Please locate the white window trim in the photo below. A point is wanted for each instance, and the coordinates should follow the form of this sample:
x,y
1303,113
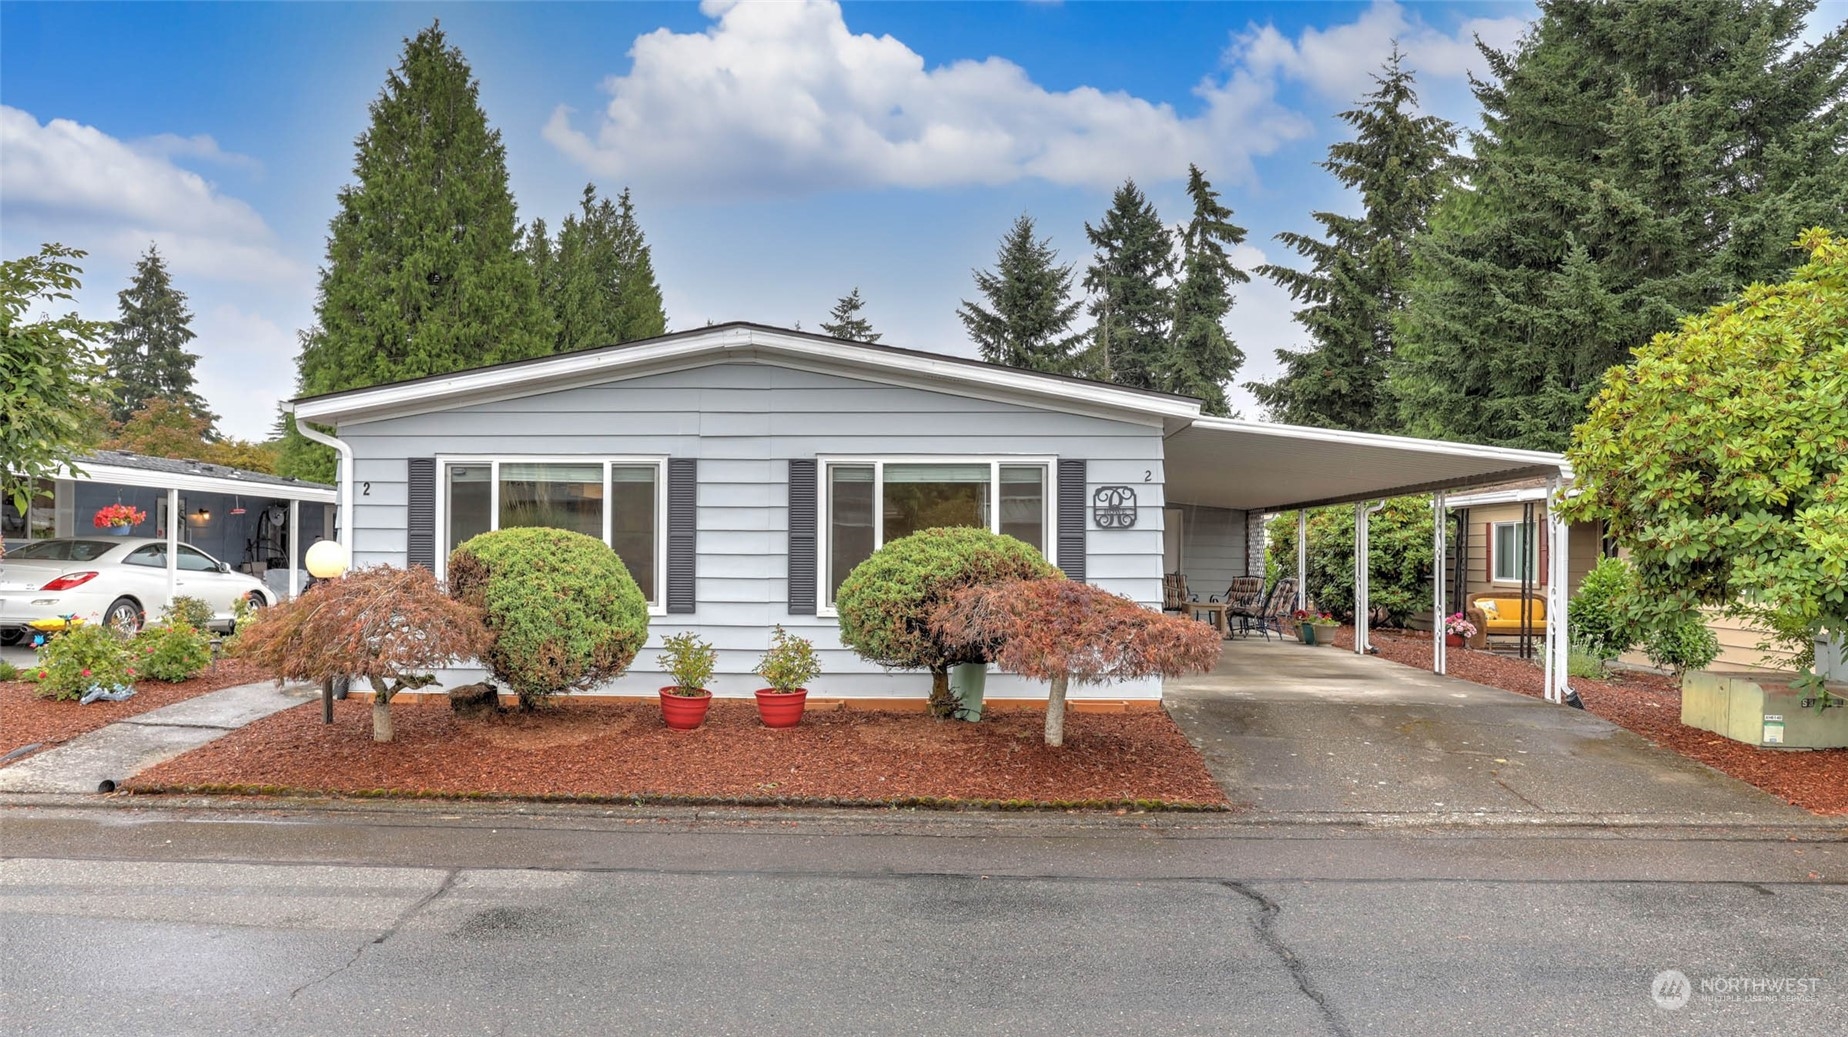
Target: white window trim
x,y
824,600
1495,556
656,606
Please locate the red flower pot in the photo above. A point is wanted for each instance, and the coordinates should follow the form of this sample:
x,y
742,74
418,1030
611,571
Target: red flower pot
x,y
684,712
1454,640
781,708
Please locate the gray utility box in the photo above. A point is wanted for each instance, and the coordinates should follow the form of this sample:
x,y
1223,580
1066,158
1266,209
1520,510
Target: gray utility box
x,y
1761,709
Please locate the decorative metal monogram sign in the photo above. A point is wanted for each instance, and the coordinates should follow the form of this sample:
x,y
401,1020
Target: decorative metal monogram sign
x,y
1114,507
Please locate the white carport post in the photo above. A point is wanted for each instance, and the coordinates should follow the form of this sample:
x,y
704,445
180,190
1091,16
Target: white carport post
x,y
174,518
1363,570
1302,558
295,560
1558,643
1439,566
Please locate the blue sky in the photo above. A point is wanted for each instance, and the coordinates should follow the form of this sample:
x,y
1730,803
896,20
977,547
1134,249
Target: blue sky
x,y
779,155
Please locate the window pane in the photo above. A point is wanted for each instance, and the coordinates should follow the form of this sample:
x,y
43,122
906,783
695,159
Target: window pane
x,y
850,521
1508,548
556,496
192,560
632,522
468,503
1023,503
926,496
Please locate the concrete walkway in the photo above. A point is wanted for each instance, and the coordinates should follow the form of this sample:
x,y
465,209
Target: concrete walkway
x,y
1304,733
127,747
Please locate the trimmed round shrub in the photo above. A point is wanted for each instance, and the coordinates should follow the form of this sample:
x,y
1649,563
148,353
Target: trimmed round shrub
x,y
1686,644
887,603
173,651
90,656
562,611
1597,617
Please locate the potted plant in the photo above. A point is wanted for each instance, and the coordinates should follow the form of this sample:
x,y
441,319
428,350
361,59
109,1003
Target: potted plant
x,y
1457,629
119,519
787,666
1314,628
689,661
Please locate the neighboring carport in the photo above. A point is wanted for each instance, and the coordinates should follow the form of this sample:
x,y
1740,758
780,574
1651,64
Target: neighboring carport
x,y
1261,467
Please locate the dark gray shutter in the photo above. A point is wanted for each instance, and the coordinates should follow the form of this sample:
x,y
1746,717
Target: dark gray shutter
x,y
420,514
682,533
802,536
1072,490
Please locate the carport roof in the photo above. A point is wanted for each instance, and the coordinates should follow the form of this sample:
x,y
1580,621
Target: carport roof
x,y
1261,466
162,473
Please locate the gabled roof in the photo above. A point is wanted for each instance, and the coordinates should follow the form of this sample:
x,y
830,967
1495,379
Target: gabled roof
x,y
748,343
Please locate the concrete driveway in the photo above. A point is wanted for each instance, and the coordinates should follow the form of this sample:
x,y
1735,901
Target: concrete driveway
x,y
1294,730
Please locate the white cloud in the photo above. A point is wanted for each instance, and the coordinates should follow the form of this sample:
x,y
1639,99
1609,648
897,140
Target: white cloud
x,y
1338,62
99,193
199,146
781,98
246,363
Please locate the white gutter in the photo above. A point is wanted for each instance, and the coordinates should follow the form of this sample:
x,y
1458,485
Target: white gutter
x,y
344,528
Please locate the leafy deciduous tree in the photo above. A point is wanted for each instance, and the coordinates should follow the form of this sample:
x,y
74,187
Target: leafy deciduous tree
x,y
164,428
51,372
1399,566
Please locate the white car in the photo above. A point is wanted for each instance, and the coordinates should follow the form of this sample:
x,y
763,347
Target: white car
x,y
117,580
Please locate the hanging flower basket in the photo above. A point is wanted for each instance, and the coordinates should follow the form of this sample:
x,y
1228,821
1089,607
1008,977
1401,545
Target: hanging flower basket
x,y
119,519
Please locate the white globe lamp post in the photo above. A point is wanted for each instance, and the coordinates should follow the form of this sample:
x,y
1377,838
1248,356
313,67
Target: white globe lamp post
x,y
327,560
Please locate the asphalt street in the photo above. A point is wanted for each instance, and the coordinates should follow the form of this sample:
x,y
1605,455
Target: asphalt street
x,y
496,920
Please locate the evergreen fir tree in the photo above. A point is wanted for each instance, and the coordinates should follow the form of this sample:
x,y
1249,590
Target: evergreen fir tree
x,y
536,248
1354,288
1033,309
147,345
604,291
1131,298
1637,162
844,321
424,274
1203,357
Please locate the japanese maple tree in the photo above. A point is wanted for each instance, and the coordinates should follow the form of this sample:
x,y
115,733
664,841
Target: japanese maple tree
x,y
1065,630
390,626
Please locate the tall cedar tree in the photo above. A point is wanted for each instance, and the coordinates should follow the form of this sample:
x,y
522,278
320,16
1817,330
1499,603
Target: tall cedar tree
x,y
1638,162
1030,324
147,345
1131,298
1355,285
1204,358
844,321
601,278
423,271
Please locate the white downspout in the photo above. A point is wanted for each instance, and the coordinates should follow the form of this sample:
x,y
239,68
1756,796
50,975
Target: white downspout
x,y
1363,571
344,532
295,555
1302,558
1439,566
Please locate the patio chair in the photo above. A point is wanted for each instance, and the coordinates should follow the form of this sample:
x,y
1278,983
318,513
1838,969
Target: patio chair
x,y
1277,604
1173,592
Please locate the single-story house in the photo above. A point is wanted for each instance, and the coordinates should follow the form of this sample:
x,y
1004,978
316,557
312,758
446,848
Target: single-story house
x,y
741,471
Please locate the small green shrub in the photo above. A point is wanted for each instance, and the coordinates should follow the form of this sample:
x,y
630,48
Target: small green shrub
x,y
93,655
1583,662
1597,619
1685,645
790,662
689,662
562,611
886,604
8,672
174,651
193,612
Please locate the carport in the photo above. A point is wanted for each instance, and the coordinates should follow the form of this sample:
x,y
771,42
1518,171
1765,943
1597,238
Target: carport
x,y
258,523
1260,467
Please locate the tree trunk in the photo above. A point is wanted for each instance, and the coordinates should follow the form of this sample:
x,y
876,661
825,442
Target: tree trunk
x,y
942,703
381,711
1055,712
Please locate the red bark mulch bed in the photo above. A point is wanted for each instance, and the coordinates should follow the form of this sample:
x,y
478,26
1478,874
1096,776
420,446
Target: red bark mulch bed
x,y
1650,705
594,750
26,718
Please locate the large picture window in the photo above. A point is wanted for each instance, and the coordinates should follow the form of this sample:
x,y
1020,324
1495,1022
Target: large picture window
x,y
1513,541
617,501
867,503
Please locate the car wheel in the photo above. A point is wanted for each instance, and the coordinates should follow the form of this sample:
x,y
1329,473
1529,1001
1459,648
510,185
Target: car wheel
x,y
124,614
11,637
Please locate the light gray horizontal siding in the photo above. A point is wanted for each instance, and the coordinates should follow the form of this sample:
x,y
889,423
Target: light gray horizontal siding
x,y
1213,546
744,421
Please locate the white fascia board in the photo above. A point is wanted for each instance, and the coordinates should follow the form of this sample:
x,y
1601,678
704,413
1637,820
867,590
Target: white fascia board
x,y
1406,443
742,344
104,473
1481,500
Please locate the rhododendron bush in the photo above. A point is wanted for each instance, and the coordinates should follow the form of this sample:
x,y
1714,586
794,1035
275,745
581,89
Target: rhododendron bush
x,y
1062,631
